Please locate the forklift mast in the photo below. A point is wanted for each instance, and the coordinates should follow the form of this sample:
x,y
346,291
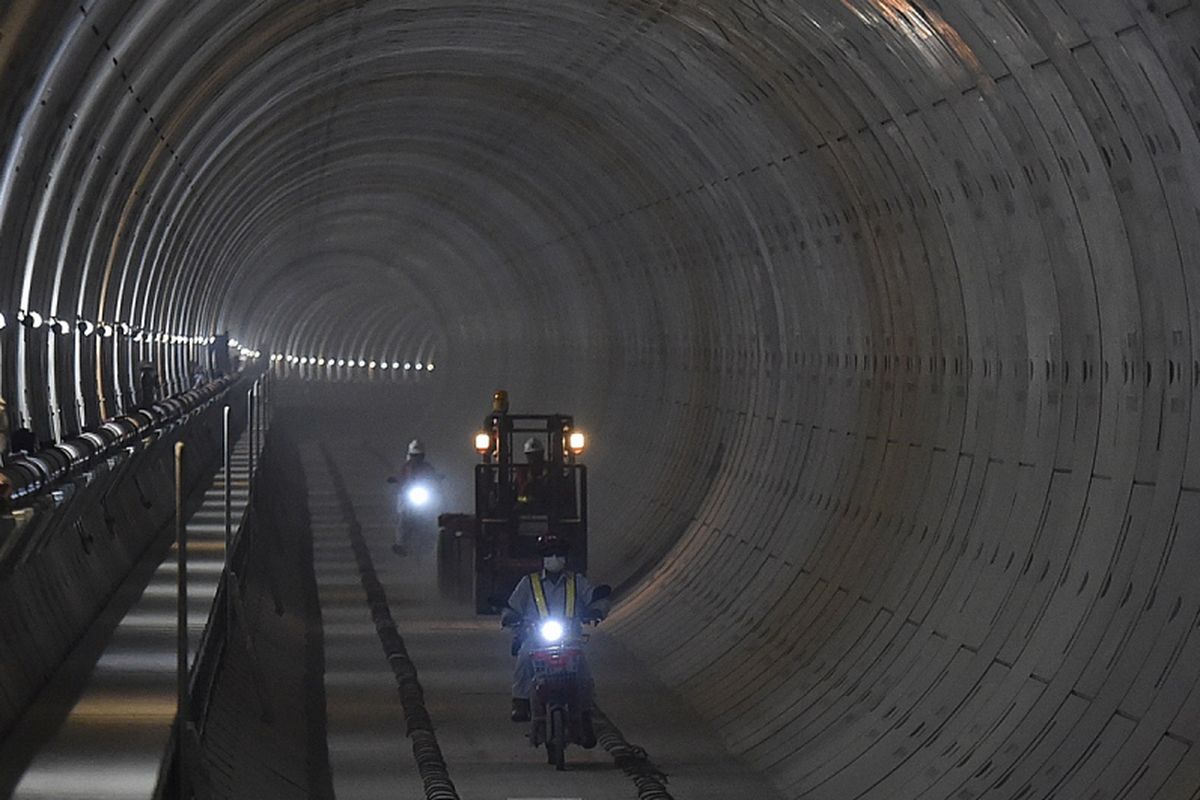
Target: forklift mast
x,y
508,524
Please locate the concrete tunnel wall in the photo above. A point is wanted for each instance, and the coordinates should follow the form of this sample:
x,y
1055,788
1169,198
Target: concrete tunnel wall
x,y
881,311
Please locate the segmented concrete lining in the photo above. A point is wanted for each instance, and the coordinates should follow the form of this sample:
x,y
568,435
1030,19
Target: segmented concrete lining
x,y
883,314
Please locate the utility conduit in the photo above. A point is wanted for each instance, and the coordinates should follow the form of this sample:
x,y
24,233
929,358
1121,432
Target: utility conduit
x,y
27,476
651,782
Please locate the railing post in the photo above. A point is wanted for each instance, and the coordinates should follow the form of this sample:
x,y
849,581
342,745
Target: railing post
x,y
250,433
262,399
181,655
228,518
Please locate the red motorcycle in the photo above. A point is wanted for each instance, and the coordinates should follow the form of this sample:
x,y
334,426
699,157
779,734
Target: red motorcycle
x,y
558,692
560,702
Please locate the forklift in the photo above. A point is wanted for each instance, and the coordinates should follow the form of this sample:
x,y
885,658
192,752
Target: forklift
x,y
519,497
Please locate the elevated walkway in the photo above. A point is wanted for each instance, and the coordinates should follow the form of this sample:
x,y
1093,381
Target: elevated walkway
x,y
107,741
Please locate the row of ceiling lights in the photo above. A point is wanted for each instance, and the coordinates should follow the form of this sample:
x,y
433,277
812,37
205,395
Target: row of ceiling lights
x,y
350,362
34,320
247,352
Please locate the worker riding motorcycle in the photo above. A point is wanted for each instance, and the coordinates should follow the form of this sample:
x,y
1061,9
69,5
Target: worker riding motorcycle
x,y
416,529
552,685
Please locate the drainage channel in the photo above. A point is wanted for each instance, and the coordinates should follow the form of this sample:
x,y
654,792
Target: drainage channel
x,y
426,752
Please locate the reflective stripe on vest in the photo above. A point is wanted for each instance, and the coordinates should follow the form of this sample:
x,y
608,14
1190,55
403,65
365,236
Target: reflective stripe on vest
x,y
539,596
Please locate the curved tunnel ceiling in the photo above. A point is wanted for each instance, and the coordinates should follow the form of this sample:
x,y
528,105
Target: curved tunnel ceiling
x,y
884,308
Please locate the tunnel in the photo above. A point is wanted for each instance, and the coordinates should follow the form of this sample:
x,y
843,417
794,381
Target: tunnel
x,y
878,314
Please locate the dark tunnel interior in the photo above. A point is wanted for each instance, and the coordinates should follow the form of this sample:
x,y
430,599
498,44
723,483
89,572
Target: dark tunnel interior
x,y
879,313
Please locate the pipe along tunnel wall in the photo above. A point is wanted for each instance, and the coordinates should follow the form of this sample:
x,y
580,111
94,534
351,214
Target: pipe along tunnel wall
x,y
881,312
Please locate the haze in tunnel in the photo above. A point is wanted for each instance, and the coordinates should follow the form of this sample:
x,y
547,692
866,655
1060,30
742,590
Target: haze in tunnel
x,y
880,313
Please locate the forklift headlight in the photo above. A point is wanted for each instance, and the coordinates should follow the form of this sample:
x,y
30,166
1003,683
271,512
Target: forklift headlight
x,y
576,442
483,443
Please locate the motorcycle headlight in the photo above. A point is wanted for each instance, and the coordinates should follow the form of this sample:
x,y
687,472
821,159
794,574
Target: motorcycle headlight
x,y
419,496
552,631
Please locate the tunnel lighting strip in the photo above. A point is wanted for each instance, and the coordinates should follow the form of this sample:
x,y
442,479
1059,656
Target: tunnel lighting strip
x,y
352,363
35,320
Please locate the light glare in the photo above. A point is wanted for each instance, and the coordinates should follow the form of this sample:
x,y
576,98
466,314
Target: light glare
x,y
552,630
418,496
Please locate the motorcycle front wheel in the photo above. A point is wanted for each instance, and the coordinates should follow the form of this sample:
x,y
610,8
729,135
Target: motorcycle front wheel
x,y
556,740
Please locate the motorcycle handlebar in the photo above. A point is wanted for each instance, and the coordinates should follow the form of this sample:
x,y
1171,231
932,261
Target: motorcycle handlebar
x,y
590,618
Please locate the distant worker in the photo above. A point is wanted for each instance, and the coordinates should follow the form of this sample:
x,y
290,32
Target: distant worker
x,y
218,355
147,389
24,441
416,506
533,477
558,594
4,435
198,378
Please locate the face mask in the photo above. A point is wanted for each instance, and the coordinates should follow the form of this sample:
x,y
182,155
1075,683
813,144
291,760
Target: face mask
x,y
554,563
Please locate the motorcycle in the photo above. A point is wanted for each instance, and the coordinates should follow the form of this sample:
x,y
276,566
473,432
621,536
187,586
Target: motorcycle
x,y
559,698
417,526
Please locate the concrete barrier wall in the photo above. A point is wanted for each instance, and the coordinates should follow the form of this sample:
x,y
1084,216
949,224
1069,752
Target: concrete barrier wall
x,y
245,755
87,548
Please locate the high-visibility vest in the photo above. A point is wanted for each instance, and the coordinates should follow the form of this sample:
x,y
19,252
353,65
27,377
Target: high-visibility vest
x,y
539,596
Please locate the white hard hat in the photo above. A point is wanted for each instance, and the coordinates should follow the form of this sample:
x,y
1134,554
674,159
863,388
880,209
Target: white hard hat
x,y
534,445
416,448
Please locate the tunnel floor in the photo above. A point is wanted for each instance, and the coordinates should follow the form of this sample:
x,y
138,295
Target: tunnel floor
x,y
74,745
464,668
